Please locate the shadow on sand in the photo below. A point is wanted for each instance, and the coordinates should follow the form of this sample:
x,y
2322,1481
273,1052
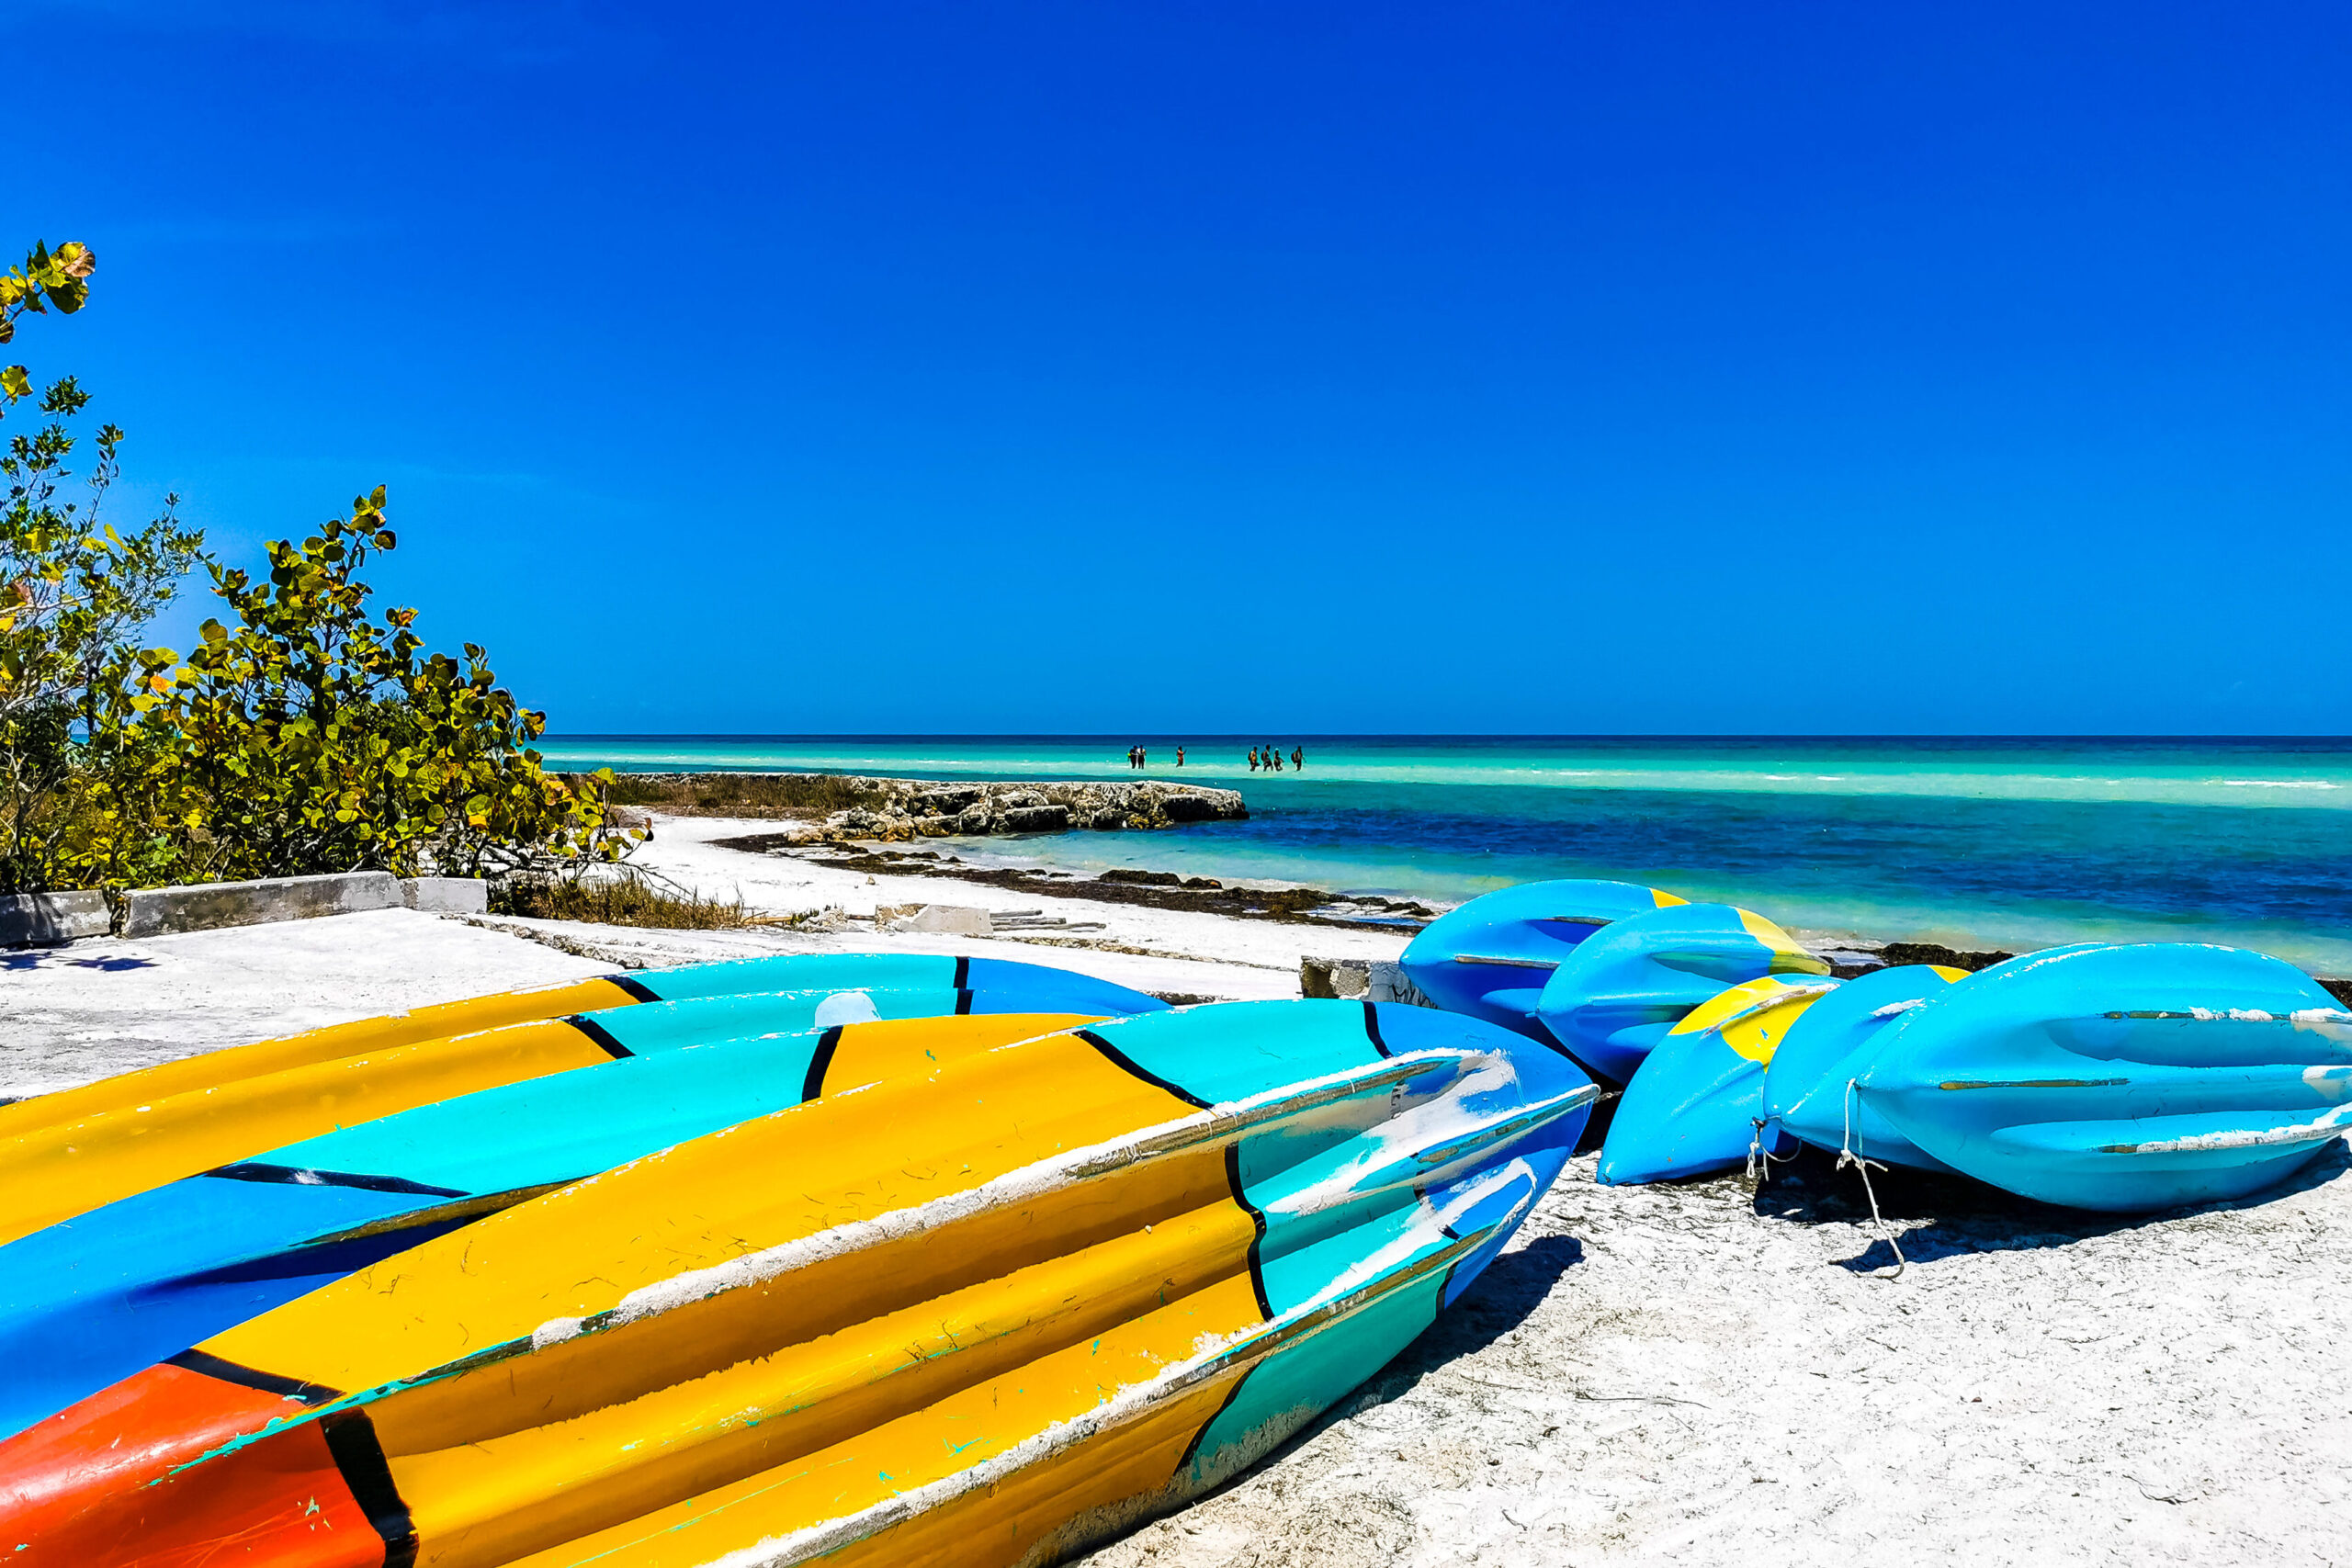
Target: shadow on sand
x,y
1952,1214
50,957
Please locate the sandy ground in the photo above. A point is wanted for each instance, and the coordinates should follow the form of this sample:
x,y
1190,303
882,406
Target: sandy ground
x,y
1707,1372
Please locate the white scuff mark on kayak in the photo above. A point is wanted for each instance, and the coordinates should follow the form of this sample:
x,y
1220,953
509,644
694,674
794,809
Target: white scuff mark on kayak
x,y
2251,1015
1448,1118
1433,1227
2335,1124
1325,1094
2330,1083
2320,1015
555,1331
846,1007
1895,1009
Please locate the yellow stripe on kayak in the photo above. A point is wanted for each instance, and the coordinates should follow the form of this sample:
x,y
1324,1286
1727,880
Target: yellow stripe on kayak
x,y
859,1153
998,1525
1788,958
1754,1016
52,1173
148,1085
1665,900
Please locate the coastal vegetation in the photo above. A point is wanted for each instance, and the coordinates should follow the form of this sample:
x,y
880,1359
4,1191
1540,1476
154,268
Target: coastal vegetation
x,y
305,732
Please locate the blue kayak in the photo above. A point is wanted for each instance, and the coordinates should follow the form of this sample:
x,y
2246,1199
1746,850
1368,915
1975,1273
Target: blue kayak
x,y
1696,1104
1012,987
1805,1086
1615,997
2122,1078
87,1302
1491,958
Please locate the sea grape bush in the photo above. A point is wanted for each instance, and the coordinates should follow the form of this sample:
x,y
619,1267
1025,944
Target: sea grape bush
x,y
303,734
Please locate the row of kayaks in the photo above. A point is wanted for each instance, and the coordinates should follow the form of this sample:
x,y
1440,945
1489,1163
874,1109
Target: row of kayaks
x,y
2115,1077
896,1259
858,1259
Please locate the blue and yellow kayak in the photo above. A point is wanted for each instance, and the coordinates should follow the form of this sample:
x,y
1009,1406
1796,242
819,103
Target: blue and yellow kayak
x,y
1619,992
66,1154
1696,1104
89,1301
1490,957
975,1304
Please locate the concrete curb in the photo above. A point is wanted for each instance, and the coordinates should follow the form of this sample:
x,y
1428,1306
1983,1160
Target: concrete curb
x,y
52,917
446,895
156,911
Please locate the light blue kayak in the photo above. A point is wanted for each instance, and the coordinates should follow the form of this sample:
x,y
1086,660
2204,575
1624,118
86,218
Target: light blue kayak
x,y
2122,1078
93,1299
1491,958
1616,996
1696,1104
1013,987
1837,1038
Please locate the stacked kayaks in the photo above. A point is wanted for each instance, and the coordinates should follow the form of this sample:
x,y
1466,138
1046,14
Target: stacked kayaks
x,y
2120,1078
965,1288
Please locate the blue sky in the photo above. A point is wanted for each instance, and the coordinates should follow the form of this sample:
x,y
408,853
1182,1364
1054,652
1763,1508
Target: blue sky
x,y
1121,367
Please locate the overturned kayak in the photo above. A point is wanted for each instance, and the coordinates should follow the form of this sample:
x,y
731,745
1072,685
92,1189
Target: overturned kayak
x,y
981,1310
52,1171
1696,1104
1805,1084
785,972
1617,993
2122,1078
89,1301
1491,957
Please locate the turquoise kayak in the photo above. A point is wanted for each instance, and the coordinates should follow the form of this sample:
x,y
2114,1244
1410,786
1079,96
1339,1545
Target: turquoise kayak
x,y
1491,957
2122,1078
1622,990
1696,1104
1805,1092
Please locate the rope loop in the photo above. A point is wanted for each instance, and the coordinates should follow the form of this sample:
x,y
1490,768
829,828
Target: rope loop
x,y
1845,1156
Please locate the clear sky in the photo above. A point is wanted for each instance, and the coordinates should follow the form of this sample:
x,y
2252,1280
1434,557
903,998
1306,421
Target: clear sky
x,y
1130,367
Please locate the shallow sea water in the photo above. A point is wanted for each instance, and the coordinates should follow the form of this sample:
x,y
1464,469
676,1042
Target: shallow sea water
x,y
2012,843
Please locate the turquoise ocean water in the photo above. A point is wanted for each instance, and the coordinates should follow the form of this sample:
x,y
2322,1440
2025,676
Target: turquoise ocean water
x,y
2004,842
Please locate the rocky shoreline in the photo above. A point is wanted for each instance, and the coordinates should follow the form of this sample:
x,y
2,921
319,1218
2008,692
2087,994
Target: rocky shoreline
x,y
837,808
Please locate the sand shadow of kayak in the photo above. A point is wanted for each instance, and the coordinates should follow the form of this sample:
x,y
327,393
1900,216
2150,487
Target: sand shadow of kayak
x,y
1943,1216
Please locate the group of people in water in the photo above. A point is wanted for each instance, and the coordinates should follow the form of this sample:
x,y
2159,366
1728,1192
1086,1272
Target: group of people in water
x,y
1262,759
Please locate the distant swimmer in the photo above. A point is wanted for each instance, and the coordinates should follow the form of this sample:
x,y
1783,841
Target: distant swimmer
x,y
1180,756
1253,759
1297,758
1275,758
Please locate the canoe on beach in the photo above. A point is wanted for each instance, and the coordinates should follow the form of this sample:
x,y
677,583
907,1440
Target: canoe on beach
x,y
1805,1092
89,1301
118,1137
973,1305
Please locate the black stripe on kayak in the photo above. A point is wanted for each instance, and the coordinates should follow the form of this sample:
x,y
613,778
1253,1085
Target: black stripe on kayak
x,y
296,1175
963,1003
1124,1060
597,1033
962,973
214,1366
351,1440
1192,1449
827,1044
637,988
1372,1030
1258,1236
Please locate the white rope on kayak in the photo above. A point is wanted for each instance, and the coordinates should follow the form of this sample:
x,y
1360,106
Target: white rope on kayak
x,y
1845,1156
1759,1157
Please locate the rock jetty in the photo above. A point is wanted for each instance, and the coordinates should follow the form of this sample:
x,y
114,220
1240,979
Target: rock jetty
x,y
821,808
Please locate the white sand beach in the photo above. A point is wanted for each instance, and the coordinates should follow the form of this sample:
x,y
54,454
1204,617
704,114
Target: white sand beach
x,y
1705,1373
